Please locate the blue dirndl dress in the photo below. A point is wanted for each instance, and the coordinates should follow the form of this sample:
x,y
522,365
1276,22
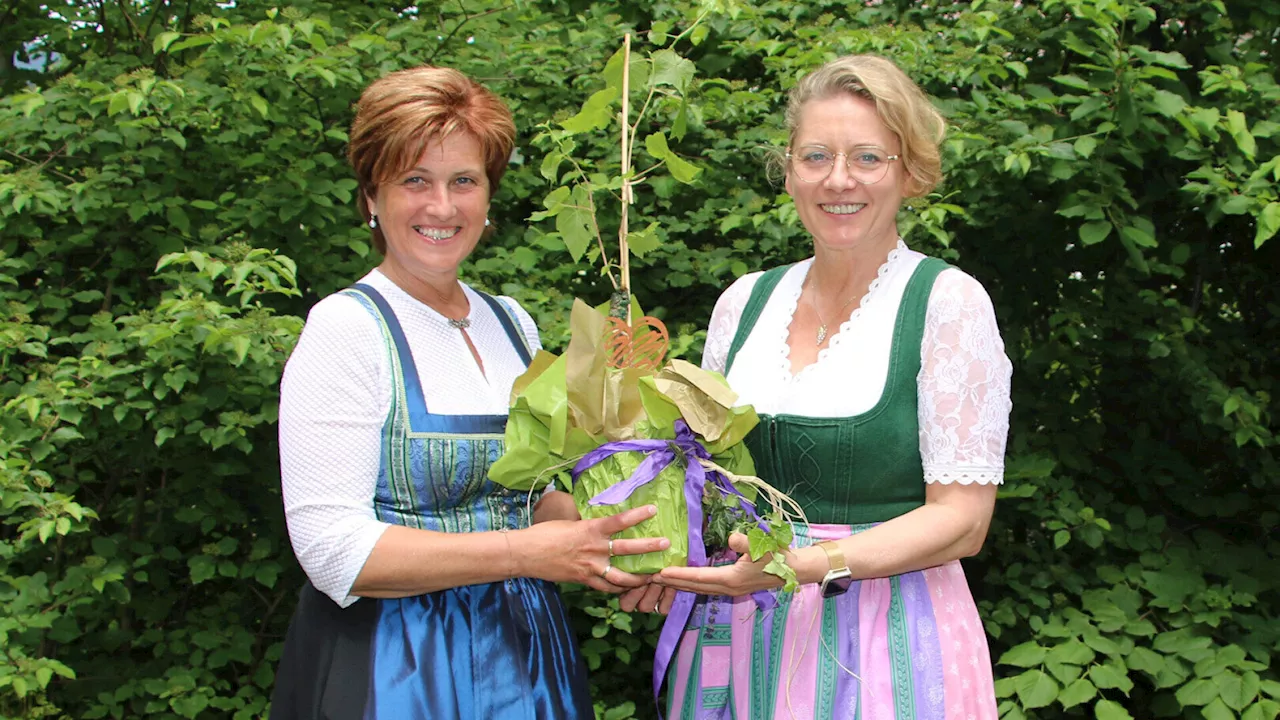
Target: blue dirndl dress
x,y
499,651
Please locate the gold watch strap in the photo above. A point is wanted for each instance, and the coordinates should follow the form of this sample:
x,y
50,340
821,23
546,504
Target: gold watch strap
x,y
834,554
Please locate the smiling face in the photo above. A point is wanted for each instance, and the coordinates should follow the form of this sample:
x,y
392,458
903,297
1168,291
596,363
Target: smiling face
x,y
432,215
840,212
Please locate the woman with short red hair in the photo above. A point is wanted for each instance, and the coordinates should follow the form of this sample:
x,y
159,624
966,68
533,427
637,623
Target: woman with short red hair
x,y
431,589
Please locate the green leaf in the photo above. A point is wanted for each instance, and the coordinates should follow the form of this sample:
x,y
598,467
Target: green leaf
x,y
1146,660
596,112
1239,129
1028,654
1167,59
1078,692
1236,205
1217,710
1035,689
778,567
1110,710
1073,81
163,41
1108,677
259,103
671,69
639,76
1060,539
1092,233
1181,641
1138,236
1167,103
191,42
550,168
202,568
622,712
1235,691
178,218
119,103
656,145
174,137
164,434
644,241
1084,146
1197,692
1063,672
681,169
1095,640
574,223
1268,224
1072,651
681,123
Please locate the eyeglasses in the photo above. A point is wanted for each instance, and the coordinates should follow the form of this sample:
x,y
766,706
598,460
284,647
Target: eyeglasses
x,y
813,164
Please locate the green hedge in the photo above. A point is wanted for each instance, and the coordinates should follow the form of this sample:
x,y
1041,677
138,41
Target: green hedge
x,y
1112,173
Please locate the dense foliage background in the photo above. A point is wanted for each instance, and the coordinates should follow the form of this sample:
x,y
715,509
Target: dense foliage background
x,y
1112,180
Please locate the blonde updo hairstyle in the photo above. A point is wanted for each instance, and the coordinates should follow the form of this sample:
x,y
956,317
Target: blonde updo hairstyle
x,y
400,114
901,105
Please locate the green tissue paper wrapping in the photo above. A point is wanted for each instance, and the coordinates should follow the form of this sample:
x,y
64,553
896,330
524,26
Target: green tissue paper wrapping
x,y
563,407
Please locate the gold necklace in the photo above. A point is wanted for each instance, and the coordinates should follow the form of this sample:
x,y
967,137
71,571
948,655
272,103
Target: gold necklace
x,y
822,328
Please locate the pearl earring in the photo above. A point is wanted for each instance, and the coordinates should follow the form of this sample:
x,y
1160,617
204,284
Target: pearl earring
x,y
487,223
373,221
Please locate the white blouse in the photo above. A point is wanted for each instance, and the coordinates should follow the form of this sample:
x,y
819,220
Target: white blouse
x,y
334,399
963,386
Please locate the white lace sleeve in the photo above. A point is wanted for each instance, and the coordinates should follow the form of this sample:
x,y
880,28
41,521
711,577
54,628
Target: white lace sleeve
x,y
333,400
724,322
963,384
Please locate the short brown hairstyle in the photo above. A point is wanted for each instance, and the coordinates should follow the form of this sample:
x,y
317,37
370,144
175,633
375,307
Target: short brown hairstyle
x,y
399,114
900,103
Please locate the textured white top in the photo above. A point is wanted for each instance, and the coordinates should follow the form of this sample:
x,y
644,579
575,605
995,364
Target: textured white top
x,y
335,396
963,385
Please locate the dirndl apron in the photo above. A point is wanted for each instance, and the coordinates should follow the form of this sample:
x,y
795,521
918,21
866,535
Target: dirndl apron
x,y
500,651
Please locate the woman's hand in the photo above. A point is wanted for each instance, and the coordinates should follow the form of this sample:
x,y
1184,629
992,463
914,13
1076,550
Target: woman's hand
x,y
581,551
652,598
555,505
741,578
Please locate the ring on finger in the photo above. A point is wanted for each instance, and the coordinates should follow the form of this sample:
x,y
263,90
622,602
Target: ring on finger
x,y
610,547
605,572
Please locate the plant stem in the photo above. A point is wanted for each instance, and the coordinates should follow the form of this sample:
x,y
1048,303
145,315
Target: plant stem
x,y
624,252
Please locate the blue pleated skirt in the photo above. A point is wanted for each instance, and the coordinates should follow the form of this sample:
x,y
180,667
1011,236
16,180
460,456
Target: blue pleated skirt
x,y
499,651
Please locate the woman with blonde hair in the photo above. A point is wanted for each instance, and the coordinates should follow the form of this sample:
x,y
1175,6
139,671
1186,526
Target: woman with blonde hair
x,y
883,389
431,590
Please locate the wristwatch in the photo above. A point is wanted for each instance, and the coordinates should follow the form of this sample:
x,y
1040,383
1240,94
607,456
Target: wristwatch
x,y
838,578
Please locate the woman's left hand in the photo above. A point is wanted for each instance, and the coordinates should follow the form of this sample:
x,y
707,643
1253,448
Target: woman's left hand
x,y
741,578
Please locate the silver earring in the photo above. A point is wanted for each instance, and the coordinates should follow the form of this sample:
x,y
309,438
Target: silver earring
x,y
487,223
373,221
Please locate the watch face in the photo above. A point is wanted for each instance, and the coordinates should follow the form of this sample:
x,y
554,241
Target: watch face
x,y
836,586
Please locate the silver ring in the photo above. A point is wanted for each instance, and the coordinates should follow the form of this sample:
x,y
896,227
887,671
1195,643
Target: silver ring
x,y
605,572
610,547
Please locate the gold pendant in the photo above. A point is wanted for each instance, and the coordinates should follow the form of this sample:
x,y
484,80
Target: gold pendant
x,y
822,334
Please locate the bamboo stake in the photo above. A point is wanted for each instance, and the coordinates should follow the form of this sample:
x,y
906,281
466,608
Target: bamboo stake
x,y
624,252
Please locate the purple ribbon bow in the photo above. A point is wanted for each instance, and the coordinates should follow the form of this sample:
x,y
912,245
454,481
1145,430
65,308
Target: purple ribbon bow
x,y
661,453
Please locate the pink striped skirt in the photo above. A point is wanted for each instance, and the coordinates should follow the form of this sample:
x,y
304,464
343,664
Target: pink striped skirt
x,y
908,647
